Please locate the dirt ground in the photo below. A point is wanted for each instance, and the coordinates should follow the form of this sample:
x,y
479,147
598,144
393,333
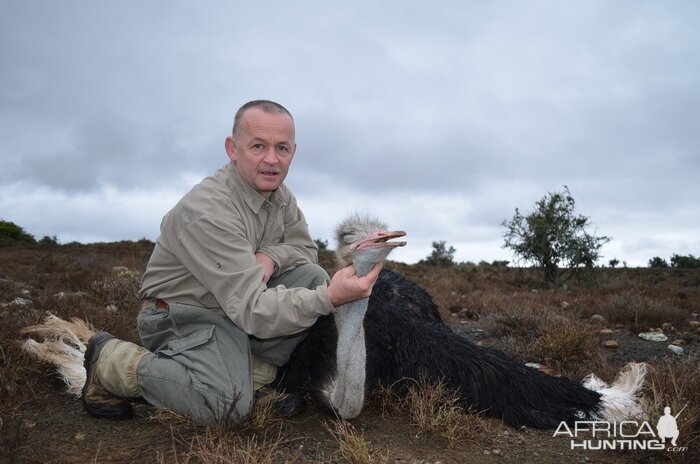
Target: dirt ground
x,y
51,427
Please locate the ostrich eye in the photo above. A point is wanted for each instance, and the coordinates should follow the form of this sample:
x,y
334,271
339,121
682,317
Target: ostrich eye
x,y
349,238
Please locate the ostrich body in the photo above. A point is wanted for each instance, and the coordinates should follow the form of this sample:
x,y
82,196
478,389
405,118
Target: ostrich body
x,y
405,339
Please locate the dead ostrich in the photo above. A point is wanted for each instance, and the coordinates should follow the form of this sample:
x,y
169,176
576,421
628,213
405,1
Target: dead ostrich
x,y
394,336
397,336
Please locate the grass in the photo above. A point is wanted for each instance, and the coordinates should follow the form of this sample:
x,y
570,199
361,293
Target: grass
x,y
529,323
353,447
435,409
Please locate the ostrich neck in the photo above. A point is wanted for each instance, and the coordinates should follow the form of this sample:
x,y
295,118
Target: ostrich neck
x,y
348,394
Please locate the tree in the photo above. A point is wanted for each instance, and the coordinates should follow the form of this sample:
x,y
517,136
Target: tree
x,y
553,238
614,262
441,255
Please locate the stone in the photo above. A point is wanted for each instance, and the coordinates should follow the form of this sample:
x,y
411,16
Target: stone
x,y
694,324
667,327
676,349
597,319
564,304
653,336
678,342
605,331
21,301
611,344
112,308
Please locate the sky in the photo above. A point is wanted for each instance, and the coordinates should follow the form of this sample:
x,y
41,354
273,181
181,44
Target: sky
x,y
441,118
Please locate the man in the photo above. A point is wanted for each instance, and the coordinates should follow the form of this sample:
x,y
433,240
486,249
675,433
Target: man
x,y
228,292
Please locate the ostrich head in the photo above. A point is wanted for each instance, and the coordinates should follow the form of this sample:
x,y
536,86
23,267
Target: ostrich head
x,y
363,241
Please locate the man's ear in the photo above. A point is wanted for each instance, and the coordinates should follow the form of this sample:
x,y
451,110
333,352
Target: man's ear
x,y
230,146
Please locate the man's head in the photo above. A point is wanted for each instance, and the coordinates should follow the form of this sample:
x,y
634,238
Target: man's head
x,y
262,144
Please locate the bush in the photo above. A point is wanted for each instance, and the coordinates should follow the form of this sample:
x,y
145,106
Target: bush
x,y
685,262
48,241
321,244
657,262
441,255
11,234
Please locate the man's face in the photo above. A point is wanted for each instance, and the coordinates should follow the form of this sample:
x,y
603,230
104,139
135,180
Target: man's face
x,y
263,149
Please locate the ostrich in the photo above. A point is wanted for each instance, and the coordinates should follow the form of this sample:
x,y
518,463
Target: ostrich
x,y
397,335
394,336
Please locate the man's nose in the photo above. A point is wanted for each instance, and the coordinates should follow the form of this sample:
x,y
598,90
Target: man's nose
x,y
270,157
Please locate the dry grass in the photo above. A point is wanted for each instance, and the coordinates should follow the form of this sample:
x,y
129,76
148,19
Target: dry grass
x,y
676,383
352,445
435,409
217,445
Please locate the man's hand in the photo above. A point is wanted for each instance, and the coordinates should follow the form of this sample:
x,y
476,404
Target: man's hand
x,y
347,286
267,264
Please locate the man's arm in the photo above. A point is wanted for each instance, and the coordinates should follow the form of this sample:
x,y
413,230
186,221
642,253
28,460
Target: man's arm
x,y
296,247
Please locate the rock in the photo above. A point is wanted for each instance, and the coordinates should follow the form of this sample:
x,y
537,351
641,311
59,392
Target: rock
x,y
676,349
605,331
694,324
678,342
667,327
564,304
620,326
487,452
653,336
26,293
21,301
120,269
597,319
111,308
541,367
611,344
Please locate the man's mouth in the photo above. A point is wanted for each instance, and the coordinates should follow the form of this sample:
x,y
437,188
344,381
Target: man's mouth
x,y
269,173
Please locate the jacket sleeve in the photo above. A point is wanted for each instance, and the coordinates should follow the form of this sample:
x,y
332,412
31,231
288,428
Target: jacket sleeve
x,y
220,257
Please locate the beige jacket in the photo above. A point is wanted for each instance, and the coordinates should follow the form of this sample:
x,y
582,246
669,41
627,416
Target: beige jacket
x,y
205,256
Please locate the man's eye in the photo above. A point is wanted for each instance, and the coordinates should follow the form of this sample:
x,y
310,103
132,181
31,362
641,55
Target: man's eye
x,y
283,148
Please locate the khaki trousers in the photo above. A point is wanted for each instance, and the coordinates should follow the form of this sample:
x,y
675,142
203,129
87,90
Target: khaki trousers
x,y
200,365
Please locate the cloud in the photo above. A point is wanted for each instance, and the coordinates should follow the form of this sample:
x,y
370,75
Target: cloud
x,y
442,119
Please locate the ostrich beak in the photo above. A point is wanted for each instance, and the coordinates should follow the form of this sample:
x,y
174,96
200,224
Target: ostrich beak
x,y
380,240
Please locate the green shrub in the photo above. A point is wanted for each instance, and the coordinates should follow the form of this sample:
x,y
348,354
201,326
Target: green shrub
x,y
11,234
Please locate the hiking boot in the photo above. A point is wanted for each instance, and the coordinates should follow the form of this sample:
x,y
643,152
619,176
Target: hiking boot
x,y
96,400
283,405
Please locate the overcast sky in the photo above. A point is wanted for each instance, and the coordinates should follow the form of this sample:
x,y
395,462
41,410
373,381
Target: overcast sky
x,y
439,117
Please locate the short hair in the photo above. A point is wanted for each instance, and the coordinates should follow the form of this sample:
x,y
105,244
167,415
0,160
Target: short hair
x,y
267,106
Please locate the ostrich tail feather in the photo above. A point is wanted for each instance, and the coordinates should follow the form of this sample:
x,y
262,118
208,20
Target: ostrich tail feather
x,y
621,401
63,346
